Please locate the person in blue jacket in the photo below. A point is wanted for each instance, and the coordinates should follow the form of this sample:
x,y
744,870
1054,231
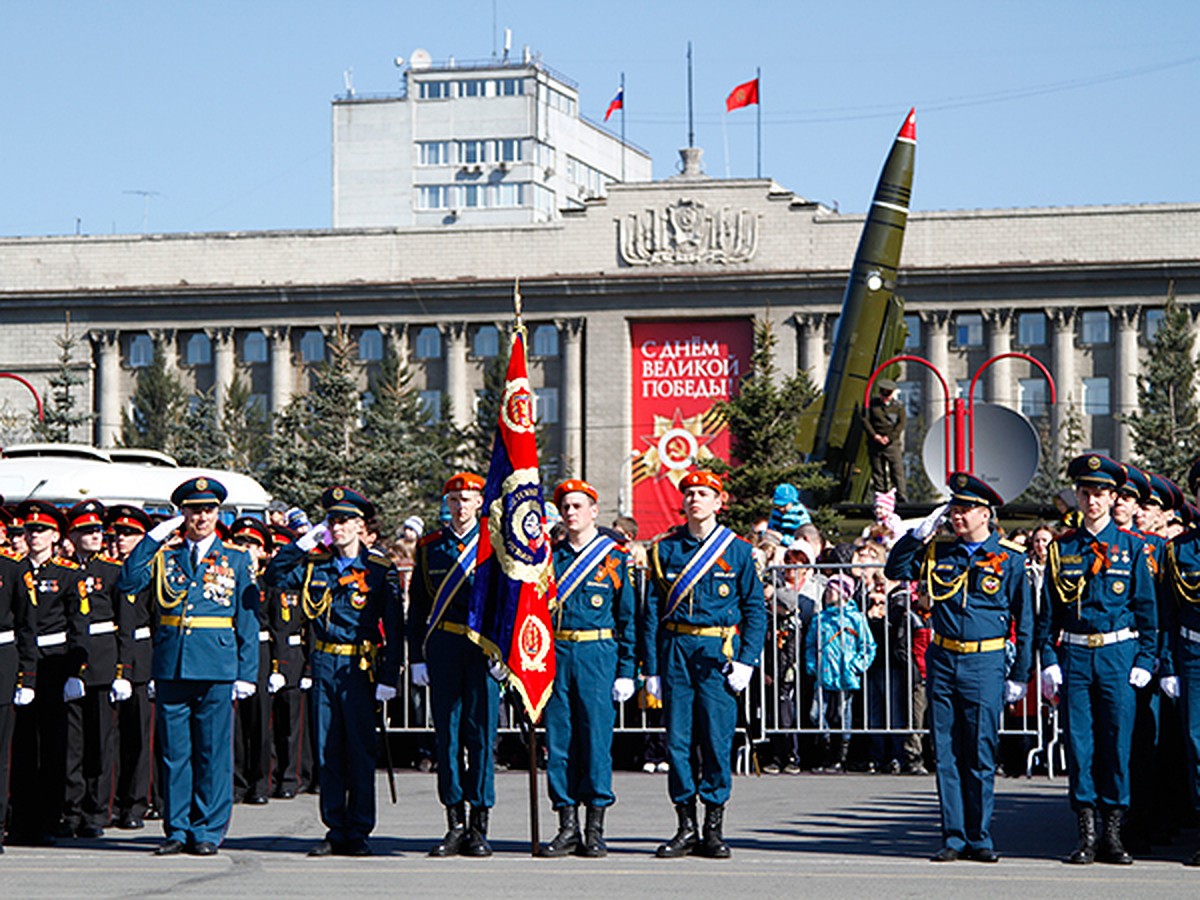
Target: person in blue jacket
x,y
205,656
351,600
702,631
980,598
1098,635
595,649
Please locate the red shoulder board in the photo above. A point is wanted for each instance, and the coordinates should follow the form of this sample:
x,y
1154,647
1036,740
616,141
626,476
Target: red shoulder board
x,y
10,554
430,538
65,563
744,541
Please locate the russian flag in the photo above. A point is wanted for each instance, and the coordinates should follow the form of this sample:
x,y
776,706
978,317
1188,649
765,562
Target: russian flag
x,y
618,102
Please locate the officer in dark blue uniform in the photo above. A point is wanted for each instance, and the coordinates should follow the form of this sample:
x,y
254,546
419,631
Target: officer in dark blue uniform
x,y
18,660
702,633
252,721
595,649
54,588
1181,626
205,655
1097,633
464,698
289,681
130,688
980,595
90,720
350,599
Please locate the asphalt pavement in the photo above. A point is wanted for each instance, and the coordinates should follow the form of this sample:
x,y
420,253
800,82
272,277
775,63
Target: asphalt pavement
x,y
792,835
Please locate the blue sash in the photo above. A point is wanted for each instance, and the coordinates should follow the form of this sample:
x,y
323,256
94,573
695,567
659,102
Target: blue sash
x,y
697,567
599,547
455,578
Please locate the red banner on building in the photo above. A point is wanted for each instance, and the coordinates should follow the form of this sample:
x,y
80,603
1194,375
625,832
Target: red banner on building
x,y
681,369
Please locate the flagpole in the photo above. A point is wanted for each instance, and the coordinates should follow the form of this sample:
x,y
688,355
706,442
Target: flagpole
x,y
622,126
691,129
534,837
519,327
758,110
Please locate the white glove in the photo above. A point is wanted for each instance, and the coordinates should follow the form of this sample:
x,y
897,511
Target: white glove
x,y
23,696
498,671
74,689
1170,686
420,675
654,686
275,681
1014,691
164,530
622,690
1051,681
1139,678
150,690
305,683
312,537
927,526
384,693
738,676
121,690
244,690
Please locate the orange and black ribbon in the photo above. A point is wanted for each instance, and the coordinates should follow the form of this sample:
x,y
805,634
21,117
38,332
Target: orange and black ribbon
x,y
1100,560
993,561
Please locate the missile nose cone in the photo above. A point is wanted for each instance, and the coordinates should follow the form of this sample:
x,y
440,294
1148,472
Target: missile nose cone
x,y
909,128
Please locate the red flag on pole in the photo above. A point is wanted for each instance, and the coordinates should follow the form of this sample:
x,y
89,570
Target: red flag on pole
x,y
509,613
743,95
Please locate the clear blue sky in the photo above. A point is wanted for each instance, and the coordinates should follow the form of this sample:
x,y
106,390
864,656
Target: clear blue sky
x,y
223,108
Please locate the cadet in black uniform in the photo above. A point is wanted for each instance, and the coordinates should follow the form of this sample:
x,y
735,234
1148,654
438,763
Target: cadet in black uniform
x,y
252,724
289,679
18,659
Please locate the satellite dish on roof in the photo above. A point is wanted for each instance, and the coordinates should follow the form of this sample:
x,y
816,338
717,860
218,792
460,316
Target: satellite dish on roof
x,y
419,59
1007,450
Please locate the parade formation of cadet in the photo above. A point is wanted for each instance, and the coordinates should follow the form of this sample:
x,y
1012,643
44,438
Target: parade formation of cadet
x,y
349,598
1097,633
205,653
18,660
979,592
595,649
90,719
53,588
465,699
703,631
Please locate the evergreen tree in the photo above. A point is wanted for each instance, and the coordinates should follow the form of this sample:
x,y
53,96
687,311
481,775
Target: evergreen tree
x,y
764,420
1051,475
246,430
159,405
62,421
402,459
201,442
1166,427
315,433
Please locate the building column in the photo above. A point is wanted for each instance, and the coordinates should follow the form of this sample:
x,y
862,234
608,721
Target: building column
x,y
999,375
1062,323
936,324
223,359
571,392
461,408
107,346
395,336
812,345
283,377
1125,387
164,344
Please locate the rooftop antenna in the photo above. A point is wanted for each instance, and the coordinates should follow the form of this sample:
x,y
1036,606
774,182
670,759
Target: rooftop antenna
x,y
348,80
145,195
507,42
691,129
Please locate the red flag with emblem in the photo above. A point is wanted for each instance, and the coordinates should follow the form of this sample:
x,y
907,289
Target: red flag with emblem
x,y
745,94
509,613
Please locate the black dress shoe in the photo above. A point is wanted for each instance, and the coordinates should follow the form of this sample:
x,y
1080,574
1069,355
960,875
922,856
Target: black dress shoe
x,y
130,823
89,831
946,854
354,848
169,848
983,854
322,849
153,815
204,848
256,799
284,794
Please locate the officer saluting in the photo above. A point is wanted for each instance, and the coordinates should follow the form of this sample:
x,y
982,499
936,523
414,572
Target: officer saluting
x,y
464,698
1097,635
979,591
18,659
205,649
704,628
595,648
348,595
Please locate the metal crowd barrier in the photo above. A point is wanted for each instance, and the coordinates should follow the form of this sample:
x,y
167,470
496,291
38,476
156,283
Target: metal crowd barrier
x,y
785,701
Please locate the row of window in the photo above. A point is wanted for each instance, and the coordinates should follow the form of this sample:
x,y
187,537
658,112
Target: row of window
x,y
466,152
426,345
1094,328
447,89
545,405
593,180
1031,396
502,195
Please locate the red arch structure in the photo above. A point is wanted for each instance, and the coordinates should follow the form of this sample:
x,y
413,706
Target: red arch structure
x,y
37,398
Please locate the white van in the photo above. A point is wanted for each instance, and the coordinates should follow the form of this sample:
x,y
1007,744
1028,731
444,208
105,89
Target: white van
x,y
66,474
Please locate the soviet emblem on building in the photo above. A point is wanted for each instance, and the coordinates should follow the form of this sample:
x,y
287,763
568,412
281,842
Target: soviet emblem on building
x,y
687,233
